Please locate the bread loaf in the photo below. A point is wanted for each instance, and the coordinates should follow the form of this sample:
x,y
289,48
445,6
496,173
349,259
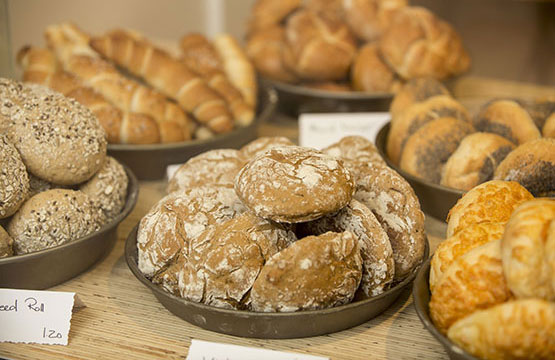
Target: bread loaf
x,y
413,91
370,73
368,19
14,182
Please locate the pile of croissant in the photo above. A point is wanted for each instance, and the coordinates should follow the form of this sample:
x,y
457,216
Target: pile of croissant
x,y
363,45
493,279
142,94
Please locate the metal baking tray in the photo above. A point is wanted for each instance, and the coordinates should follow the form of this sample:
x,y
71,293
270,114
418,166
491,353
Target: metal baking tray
x,y
435,200
296,99
421,296
269,325
46,268
149,161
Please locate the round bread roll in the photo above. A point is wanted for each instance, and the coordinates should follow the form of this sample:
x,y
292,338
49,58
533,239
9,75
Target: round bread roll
x,y
316,272
266,13
14,182
6,244
370,73
475,160
213,167
282,184
525,252
396,207
53,218
492,201
429,148
108,188
508,119
263,144
459,244
416,116
368,19
548,129
224,261
532,165
474,281
539,109
518,329
38,185
378,266
59,139
355,148
414,91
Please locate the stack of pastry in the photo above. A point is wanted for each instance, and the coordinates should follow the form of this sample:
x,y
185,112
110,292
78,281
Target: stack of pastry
x,y
433,137
275,227
363,45
57,184
209,90
493,280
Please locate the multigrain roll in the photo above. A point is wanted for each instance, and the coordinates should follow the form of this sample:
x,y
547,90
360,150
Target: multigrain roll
x,y
532,165
429,148
475,160
370,73
414,91
6,244
14,181
492,201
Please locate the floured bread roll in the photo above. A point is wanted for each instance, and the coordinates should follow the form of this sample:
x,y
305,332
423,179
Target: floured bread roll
x,y
294,184
355,148
526,252
217,167
313,273
6,243
14,181
519,329
396,207
492,201
474,281
261,145
378,266
224,261
459,244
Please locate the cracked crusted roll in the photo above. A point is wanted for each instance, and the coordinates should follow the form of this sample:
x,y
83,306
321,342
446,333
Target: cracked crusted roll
x,y
315,272
519,329
263,144
223,262
414,91
459,244
370,73
429,148
508,119
14,181
474,281
294,184
6,244
475,160
52,218
528,253
355,148
396,207
378,266
492,201
532,165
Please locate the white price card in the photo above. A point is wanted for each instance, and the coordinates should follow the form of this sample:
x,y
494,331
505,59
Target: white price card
x,y
33,316
321,130
204,350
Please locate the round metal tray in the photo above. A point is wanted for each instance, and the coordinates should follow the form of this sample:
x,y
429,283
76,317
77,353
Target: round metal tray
x,y
269,325
149,161
435,200
421,296
297,99
46,268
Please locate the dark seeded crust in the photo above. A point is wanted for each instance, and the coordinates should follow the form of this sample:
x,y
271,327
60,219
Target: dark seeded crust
x,y
539,110
416,90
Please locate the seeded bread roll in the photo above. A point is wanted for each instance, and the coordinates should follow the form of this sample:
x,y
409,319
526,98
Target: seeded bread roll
x,y
539,110
6,244
370,73
14,182
429,148
59,139
414,91
492,201
532,165
261,145
378,266
526,250
313,273
53,218
508,119
475,160
281,184
38,185
474,281
519,329
396,207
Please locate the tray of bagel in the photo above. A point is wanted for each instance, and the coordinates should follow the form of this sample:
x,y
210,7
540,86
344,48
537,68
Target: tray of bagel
x,y
61,196
488,291
159,105
279,241
348,56
444,151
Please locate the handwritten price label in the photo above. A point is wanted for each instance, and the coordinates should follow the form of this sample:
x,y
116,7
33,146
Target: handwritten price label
x,y
30,316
